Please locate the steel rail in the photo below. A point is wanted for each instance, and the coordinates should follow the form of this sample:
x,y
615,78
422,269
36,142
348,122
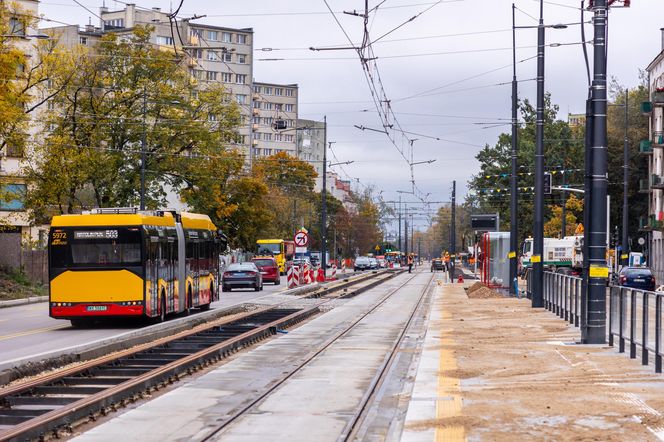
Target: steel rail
x,y
351,429
87,406
304,363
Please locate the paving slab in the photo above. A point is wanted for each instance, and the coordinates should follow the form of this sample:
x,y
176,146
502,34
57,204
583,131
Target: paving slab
x,y
499,370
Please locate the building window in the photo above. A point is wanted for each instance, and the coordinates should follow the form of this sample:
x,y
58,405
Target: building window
x,y
256,120
268,121
241,58
197,33
226,37
15,151
165,40
83,41
16,26
257,89
197,53
278,106
278,91
288,138
12,197
226,77
241,99
213,35
241,39
114,24
257,104
267,90
257,135
267,136
288,107
278,137
240,78
210,76
267,106
289,92
227,57
212,56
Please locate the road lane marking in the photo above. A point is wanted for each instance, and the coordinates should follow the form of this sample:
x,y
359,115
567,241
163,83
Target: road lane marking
x,y
33,332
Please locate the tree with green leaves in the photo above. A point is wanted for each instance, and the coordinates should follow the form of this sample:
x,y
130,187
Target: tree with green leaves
x,y
563,156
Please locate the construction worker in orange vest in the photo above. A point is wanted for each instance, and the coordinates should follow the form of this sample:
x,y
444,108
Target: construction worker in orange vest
x,y
410,263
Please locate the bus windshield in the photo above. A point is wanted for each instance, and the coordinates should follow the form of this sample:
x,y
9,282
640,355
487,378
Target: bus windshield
x,y
269,249
95,247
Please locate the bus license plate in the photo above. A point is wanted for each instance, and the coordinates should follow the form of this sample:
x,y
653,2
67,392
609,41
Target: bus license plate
x,y
97,308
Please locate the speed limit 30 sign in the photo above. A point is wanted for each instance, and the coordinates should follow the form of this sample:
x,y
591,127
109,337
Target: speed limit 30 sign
x,y
301,239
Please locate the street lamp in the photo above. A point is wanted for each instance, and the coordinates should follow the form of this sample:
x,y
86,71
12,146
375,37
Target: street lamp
x,y
408,192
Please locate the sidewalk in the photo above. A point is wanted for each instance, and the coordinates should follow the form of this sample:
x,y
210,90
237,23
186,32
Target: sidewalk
x,y
496,369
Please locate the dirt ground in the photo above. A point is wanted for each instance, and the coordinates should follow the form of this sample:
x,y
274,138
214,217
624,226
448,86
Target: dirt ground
x,y
16,286
521,376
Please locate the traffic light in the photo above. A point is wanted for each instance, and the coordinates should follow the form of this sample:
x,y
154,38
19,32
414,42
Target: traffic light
x,y
547,183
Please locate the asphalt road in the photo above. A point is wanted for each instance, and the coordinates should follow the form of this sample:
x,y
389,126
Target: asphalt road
x,y
28,330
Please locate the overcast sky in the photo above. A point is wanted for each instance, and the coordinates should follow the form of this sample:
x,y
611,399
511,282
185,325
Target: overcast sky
x,y
430,55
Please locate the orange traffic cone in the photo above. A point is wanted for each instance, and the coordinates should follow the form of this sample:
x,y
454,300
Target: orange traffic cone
x,y
460,278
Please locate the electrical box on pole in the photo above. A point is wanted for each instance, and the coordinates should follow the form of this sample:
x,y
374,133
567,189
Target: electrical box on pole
x,y
547,183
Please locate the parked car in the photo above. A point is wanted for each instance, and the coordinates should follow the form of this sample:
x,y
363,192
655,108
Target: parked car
x,y
301,262
241,275
637,277
437,264
568,271
382,263
315,261
269,269
362,263
374,263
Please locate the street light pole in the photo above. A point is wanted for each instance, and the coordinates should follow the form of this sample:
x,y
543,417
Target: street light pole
x,y
538,222
625,216
143,147
453,233
598,270
514,222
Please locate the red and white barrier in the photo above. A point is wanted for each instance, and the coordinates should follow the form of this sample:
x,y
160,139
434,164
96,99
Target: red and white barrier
x,y
307,274
293,276
334,271
343,266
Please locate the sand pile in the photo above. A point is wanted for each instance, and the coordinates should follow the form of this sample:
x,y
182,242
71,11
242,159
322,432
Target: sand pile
x,y
480,291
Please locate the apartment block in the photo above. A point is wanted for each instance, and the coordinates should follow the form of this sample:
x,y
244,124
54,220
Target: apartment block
x,y
311,144
653,148
274,119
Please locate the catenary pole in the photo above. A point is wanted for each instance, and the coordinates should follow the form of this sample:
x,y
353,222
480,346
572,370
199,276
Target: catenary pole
x,y
538,221
598,270
453,233
323,195
514,209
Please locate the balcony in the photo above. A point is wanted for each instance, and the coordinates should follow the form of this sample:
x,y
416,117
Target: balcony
x,y
658,139
646,107
645,147
644,186
256,111
658,98
656,182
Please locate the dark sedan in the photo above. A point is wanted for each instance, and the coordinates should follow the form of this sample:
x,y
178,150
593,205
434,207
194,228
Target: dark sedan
x,y
437,264
241,275
268,268
637,278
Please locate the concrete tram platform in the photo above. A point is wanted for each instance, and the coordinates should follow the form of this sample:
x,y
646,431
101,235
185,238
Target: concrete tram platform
x,y
499,370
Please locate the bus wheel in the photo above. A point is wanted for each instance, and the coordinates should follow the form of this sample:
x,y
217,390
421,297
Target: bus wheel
x,y
79,323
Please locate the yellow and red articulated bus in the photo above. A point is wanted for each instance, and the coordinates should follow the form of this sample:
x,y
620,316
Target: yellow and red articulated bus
x,y
122,262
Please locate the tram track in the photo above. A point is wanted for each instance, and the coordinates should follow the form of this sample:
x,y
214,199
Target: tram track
x,y
48,405
357,418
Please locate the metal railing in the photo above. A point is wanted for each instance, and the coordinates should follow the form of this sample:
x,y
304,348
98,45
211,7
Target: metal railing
x,y
634,315
562,296
635,318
